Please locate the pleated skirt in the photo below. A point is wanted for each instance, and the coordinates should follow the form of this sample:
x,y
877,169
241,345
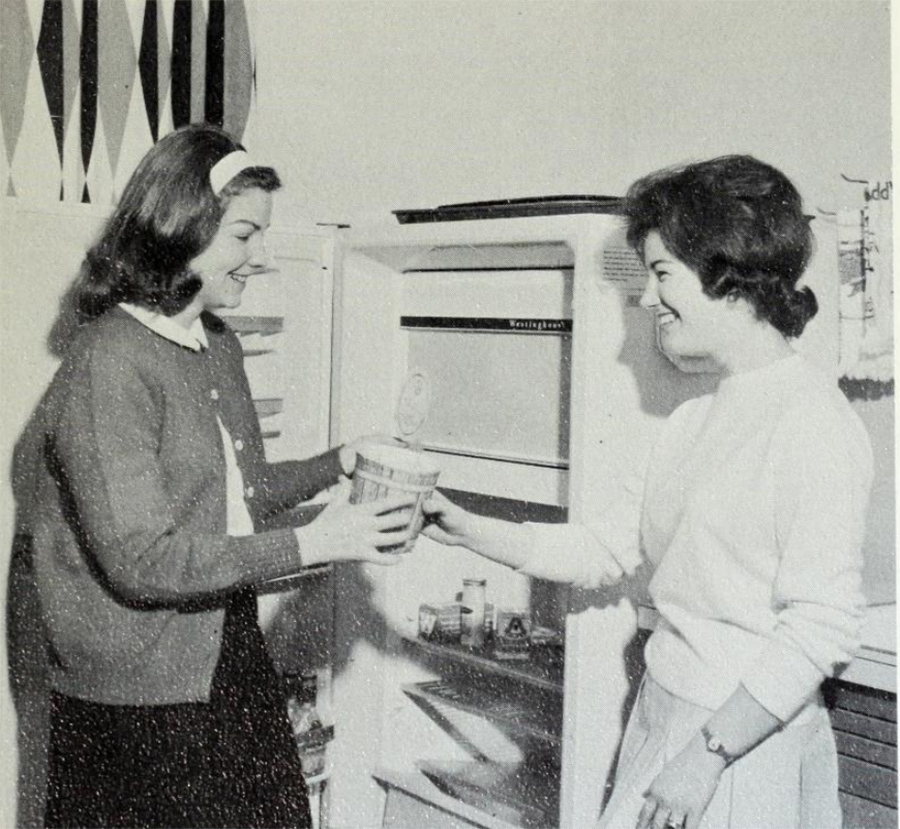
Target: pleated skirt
x,y
789,781
231,762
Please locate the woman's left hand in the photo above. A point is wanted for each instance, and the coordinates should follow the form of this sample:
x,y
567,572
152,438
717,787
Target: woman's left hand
x,y
445,522
679,795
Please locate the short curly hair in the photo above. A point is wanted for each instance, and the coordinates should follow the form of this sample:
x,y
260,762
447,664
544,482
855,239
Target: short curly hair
x,y
166,216
739,224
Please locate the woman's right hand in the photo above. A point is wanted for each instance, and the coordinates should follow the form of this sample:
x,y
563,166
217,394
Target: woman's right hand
x,y
355,532
446,522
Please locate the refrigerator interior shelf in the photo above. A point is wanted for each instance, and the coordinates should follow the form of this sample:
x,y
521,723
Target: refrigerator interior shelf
x,y
413,793
543,670
515,792
283,583
268,406
525,460
319,779
514,716
255,324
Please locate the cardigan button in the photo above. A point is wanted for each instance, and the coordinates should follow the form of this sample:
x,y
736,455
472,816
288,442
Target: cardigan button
x,y
249,491
239,444
214,394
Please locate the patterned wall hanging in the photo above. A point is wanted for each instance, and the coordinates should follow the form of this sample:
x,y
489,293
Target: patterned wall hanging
x,y
90,85
865,261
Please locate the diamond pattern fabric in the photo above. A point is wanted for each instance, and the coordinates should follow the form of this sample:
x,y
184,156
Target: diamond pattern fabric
x,y
50,61
15,62
90,85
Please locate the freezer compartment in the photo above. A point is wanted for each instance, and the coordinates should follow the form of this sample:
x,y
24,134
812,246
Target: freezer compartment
x,y
488,356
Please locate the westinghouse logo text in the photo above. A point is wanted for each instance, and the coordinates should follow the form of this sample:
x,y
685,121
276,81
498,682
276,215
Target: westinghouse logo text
x,y
540,325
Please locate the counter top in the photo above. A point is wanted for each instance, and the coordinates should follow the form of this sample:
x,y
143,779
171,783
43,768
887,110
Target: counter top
x,y
875,666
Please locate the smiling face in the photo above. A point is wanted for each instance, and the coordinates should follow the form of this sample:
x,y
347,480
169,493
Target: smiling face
x,y
236,252
691,324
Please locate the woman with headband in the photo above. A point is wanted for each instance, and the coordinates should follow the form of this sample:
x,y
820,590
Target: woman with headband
x,y
166,710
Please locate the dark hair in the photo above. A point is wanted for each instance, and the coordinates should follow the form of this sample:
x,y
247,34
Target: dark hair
x,y
167,215
738,223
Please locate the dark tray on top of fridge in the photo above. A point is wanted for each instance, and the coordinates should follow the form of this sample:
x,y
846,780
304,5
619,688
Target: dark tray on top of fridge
x,y
512,208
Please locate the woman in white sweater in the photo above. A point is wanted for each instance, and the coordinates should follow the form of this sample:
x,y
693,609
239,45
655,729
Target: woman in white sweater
x,y
751,512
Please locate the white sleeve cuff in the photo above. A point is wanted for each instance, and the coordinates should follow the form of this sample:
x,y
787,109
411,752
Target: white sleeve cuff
x,y
570,553
782,680
595,553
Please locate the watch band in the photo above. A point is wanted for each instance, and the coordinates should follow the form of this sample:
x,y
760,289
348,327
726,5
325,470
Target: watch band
x,y
714,745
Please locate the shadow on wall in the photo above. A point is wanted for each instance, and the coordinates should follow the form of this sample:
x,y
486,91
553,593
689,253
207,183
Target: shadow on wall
x,y
65,326
662,385
26,640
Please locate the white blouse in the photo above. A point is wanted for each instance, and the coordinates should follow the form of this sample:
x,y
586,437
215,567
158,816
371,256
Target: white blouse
x,y
752,512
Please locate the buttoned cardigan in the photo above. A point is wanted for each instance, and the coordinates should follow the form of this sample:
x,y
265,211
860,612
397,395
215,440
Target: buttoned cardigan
x,y
131,556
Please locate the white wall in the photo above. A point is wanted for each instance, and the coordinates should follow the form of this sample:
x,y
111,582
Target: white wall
x,y
41,251
372,105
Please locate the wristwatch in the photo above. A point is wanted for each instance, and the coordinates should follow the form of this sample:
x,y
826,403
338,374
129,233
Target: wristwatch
x,y
714,744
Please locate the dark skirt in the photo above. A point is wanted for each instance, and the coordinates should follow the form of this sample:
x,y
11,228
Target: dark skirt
x,y
231,762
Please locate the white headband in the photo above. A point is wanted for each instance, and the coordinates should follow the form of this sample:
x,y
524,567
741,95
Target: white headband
x,y
227,167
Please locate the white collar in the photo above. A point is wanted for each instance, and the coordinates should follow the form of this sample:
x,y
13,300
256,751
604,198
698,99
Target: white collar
x,y
193,337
